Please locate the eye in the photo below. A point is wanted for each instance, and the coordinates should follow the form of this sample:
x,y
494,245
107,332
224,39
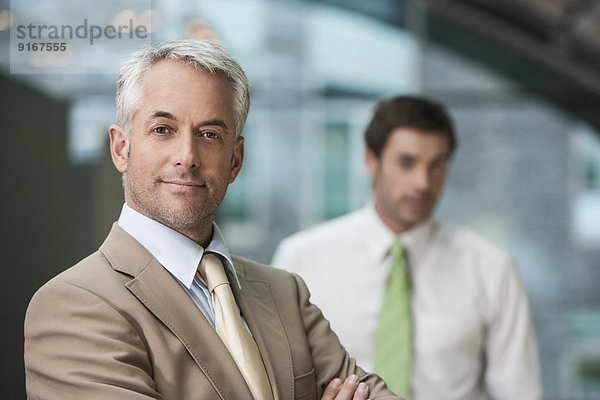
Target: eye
x,y
406,162
162,130
438,165
210,135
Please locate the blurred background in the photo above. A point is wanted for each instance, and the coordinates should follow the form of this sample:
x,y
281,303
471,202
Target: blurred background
x,y
521,78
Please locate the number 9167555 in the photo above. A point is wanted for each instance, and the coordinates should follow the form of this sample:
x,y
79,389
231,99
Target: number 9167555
x,y
42,46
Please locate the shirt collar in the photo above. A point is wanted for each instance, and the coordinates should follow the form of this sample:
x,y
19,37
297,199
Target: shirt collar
x,y
176,252
379,237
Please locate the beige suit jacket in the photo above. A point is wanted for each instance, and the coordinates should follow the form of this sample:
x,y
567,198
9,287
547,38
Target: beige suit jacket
x,y
118,326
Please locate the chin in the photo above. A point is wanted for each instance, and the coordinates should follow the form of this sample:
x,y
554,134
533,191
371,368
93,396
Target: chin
x,y
416,220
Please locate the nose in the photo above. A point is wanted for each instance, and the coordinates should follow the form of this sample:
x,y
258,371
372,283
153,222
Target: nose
x,y
186,154
421,178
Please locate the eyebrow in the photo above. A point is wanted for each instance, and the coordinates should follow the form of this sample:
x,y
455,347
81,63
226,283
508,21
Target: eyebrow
x,y
214,122
441,156
163,114
210,122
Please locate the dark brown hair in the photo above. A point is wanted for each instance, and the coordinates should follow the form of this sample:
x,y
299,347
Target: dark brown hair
x,y
414,112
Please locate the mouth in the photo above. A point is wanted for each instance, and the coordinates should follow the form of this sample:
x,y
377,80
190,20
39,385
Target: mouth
x,y
419,203
183,184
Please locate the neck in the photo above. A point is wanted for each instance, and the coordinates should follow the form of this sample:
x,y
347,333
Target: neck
x,y
199,230
201,235
396,225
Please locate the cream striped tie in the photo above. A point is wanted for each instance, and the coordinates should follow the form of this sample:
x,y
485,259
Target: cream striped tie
x,y
231,329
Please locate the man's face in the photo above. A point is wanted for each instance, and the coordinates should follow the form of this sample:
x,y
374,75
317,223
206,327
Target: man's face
x,y
182,148
408,177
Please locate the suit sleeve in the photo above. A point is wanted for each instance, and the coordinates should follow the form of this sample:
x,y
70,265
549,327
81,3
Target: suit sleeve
x,y
79,347
512,363
330,359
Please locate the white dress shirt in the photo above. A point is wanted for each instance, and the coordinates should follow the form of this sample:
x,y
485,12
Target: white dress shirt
x,y
179,254
472,327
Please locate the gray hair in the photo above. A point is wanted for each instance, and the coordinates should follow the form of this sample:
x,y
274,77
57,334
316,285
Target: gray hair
x,y
196,53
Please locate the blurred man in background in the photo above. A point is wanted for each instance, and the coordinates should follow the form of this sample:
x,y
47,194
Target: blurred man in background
x,y
438,312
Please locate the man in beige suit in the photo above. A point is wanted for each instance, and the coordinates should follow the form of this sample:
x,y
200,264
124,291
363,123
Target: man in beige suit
x,y
135,320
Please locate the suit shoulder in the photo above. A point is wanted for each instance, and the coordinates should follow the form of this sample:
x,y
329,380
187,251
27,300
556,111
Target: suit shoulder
x,y
94,275
253,270
81,272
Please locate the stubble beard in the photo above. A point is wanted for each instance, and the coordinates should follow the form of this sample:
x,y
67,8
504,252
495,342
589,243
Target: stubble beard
x,y
397,215
187,217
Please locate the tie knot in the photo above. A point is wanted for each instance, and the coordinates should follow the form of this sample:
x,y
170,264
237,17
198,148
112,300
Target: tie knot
x,y
212,270
397,249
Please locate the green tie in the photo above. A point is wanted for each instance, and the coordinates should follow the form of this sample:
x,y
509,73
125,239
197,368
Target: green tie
x,y
393,341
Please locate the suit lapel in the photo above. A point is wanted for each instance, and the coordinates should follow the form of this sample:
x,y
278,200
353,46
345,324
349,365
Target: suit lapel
x,y
164,297
258,307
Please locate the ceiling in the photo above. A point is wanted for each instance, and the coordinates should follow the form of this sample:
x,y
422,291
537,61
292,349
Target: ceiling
x,y
551,47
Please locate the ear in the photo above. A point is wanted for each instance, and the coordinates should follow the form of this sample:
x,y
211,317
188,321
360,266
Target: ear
x,y
118,147
237,158
372,162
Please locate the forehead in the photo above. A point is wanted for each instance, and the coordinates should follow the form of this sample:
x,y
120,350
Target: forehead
x,y
418,143
176,83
